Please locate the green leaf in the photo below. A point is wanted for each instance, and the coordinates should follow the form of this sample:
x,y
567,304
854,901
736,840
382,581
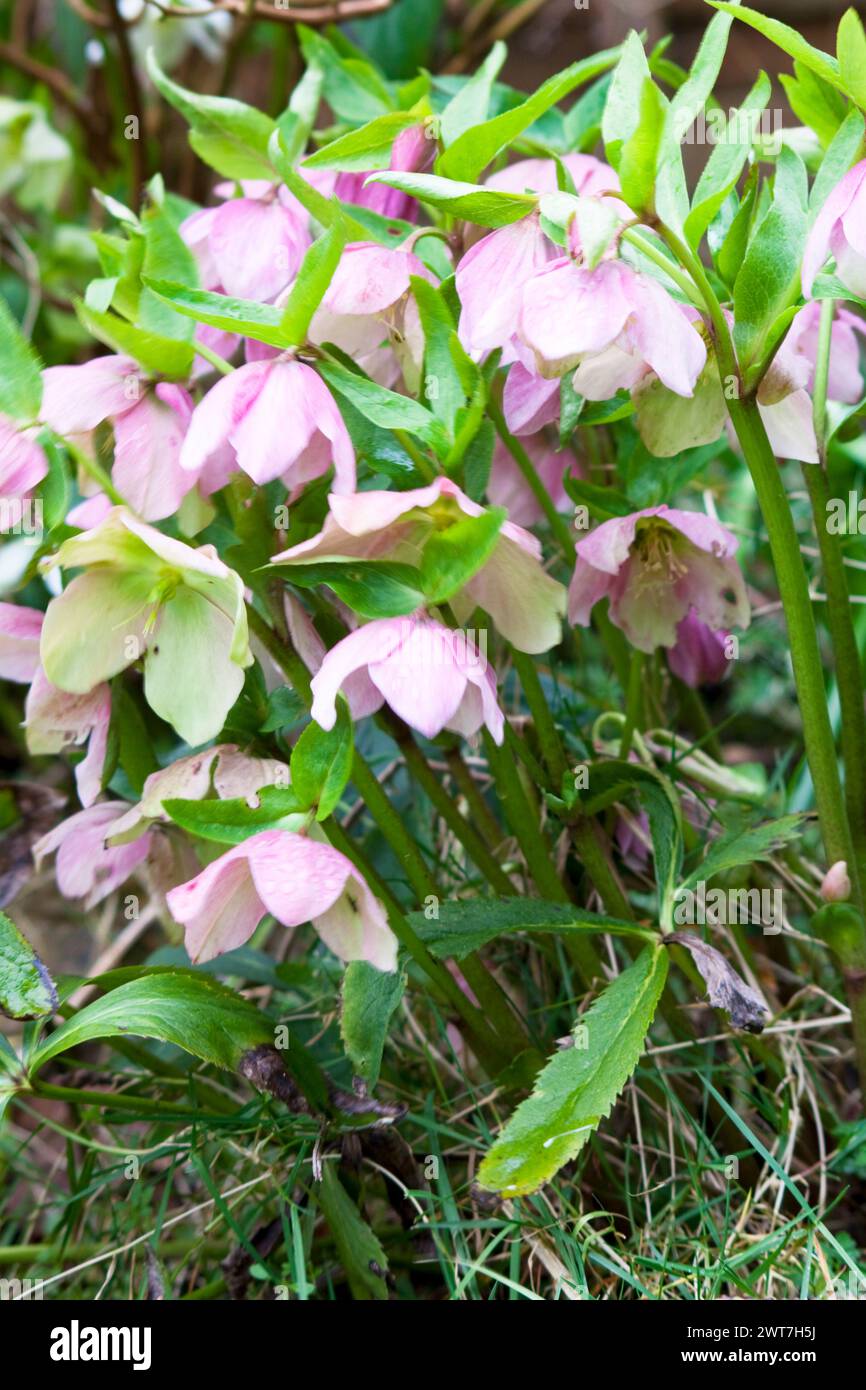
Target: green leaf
x,y
769,279
370,998
54,490
841,154
452,555
745,847
450,375
463,927
640,152
478,460
477,147
814,102
20,371
367,148
787,39
621,111
322,762
577,1088
486,207
134,751
228,135
358,1249
468,108
298,119
26,988
371,588
158,355
725,164
353,88
691,98
851,53
244,316
384,407
326,211
314,276
184,1007
232,821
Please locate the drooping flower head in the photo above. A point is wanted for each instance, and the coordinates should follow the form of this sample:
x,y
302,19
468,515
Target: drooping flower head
x,y
840,230
433,677
511,585
223,771
700,656
249,246
655,566
20,629
86,866
55,720
149,420
614,324
22,466
275,419
297,880
144,596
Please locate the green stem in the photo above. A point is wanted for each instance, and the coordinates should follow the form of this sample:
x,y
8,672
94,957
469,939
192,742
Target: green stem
x,y
600,870
846,653
220,363
634,699
459,826
545,725
478,808
96,472
558,524
522,818
802,632
108,1100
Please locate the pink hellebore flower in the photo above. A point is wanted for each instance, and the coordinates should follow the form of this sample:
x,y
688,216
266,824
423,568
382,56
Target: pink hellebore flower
x,y
368,312
412,152
699,657
297,880
655,566
614,324
512,586
22,465
840,230
431,676
149,423
54,720
845,381
249,247
20,629
276,419
223,770
490,280
508,488
589,175
144,596
360,692
529,401
86,867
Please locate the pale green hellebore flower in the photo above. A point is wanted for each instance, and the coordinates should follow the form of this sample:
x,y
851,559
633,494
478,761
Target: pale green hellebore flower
x,y
144,596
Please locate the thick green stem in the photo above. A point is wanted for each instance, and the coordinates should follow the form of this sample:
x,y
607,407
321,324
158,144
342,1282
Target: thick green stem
x,y
545,725
849,677
523,820
802,632
477,806
459,826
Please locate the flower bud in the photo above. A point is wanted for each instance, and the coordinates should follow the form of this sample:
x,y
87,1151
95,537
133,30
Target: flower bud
x,y
836,885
